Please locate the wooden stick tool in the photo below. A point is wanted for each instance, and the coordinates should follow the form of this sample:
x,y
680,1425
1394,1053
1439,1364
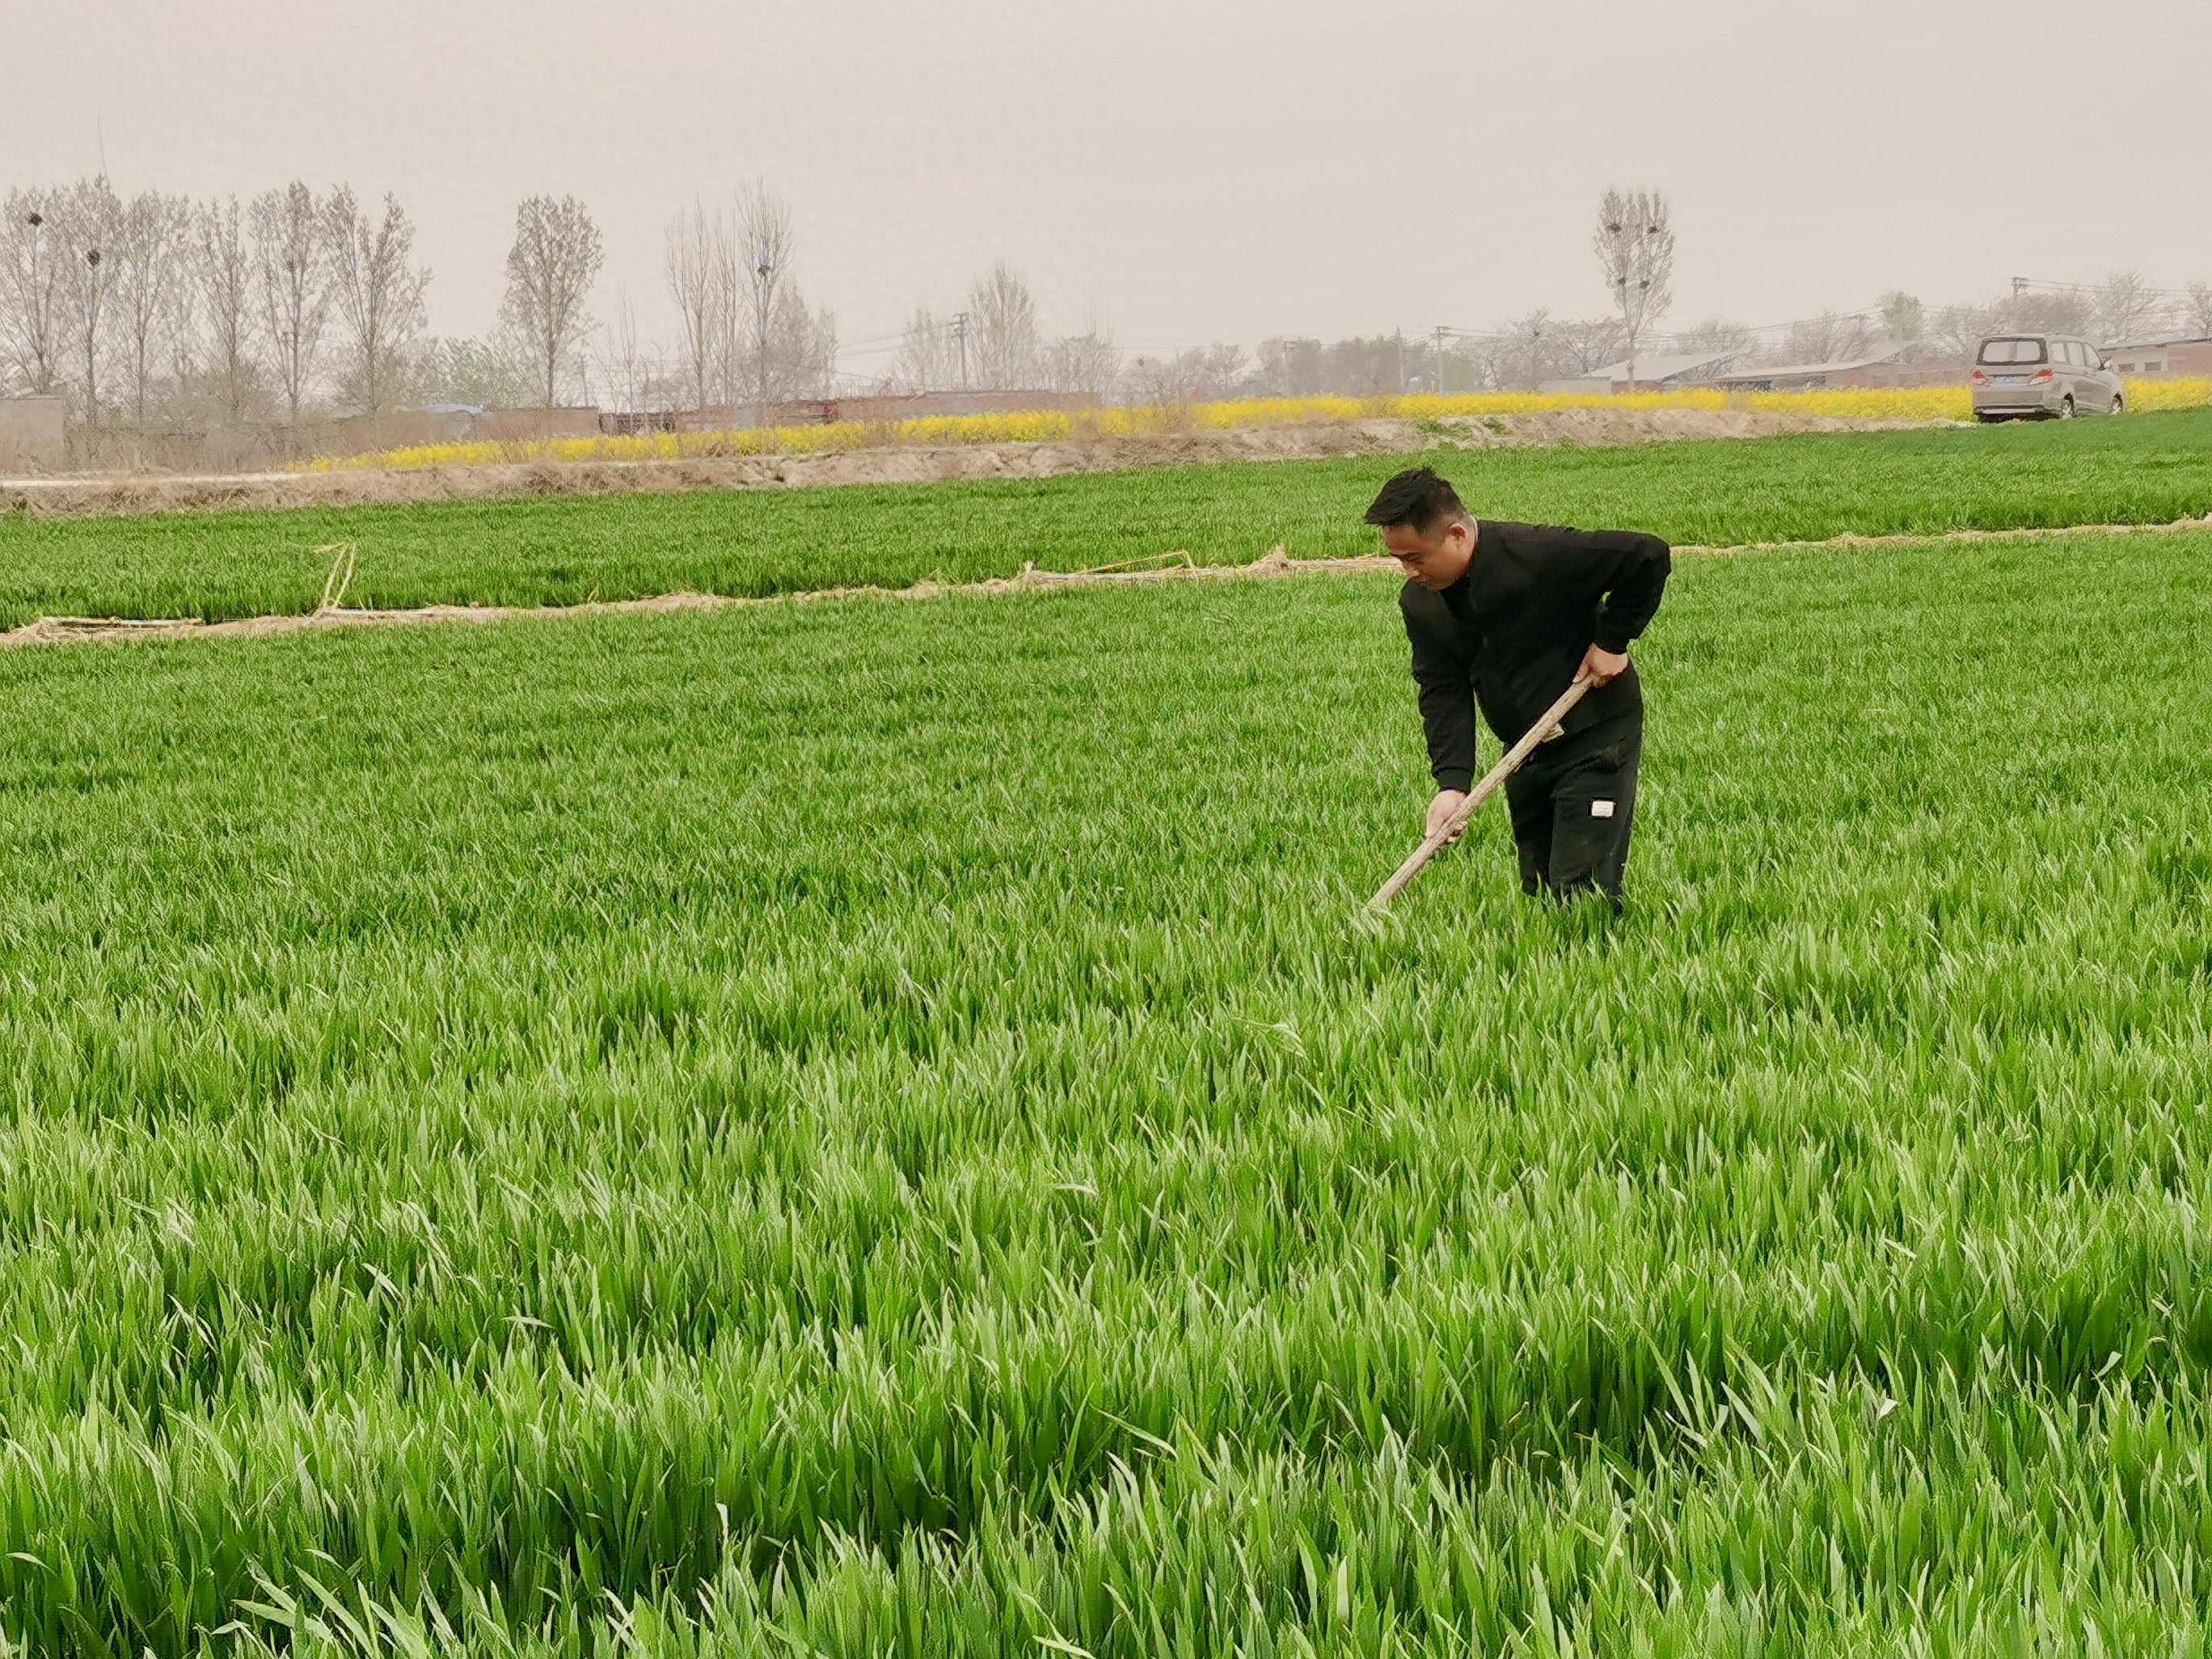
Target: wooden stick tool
x,y
1508,764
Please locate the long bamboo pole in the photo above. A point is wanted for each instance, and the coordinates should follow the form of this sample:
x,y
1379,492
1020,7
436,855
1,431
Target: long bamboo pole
x,y
1508,763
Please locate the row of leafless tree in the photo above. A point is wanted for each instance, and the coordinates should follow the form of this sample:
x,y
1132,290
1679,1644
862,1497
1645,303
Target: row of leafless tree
x,y
1634,241
2122,310
995,344
1530,349
157,308
114,301
746,335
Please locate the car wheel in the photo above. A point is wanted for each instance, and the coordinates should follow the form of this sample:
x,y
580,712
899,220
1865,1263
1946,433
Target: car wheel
x,y
2066,407
2119,406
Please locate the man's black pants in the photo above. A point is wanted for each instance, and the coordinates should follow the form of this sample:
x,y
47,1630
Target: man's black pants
x,y
1573,801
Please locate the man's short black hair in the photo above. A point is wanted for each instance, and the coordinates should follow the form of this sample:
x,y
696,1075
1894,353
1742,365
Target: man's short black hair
x,y
1417,497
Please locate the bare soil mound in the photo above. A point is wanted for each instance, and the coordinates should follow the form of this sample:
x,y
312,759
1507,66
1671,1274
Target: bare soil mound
x,y
1168,567
79,496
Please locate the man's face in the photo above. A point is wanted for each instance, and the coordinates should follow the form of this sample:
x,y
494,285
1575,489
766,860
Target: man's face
x,y
1435,560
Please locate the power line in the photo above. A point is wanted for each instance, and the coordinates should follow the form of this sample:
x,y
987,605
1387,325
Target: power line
x,y
2020,284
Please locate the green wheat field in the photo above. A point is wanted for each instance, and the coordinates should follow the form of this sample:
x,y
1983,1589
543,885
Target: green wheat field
x,y
859,1128
560,551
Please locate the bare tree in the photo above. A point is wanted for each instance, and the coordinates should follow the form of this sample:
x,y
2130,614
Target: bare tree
x,y
1362,367
729,306
801,358
662,389
1166,382
2125,305
1716,334
1523,353
549,271
1287,368
1955,331
2067,311
625,362
1486,359
1226,369
30,289
378,288
1904,319
293,269
1005,330
1635,245
763,246
1590,343
150,273
181,329
926,352
2198,314
1826,339
1201,374
222,282
1958,331
1087,364
89,219
691,247
1460,369
500,373
817,369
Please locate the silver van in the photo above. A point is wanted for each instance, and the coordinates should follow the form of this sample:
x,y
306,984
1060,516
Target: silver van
x,y
2053,376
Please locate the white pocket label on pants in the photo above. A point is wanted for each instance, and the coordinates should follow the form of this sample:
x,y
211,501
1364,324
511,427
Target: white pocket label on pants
x,y
1601,809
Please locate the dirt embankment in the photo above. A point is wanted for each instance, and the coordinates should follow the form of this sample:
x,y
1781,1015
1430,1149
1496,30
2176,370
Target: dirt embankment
x,y
1168,566
80,496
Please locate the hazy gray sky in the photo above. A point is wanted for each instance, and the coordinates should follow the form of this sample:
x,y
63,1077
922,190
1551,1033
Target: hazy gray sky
x,y
1189,169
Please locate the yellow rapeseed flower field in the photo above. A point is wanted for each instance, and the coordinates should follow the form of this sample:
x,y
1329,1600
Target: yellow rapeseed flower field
x,y
1931,402
2170,394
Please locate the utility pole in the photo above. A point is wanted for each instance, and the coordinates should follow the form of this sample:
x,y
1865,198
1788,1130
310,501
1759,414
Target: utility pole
x,y
1440,360
960,333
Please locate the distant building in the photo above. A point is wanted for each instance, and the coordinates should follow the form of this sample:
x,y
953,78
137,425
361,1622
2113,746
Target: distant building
x,y
2168,358
1654,371
1866,369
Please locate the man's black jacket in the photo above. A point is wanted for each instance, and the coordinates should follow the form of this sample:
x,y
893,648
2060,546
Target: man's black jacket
x,y
1511,632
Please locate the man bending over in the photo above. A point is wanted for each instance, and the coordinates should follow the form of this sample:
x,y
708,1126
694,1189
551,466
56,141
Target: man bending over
x,y
1505,616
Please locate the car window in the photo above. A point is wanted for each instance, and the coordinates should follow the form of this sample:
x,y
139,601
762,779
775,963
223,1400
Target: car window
x,y
2011,351
2068,352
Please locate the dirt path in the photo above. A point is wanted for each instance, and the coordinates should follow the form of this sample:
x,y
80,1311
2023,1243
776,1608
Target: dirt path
x,y
88,496
58,630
